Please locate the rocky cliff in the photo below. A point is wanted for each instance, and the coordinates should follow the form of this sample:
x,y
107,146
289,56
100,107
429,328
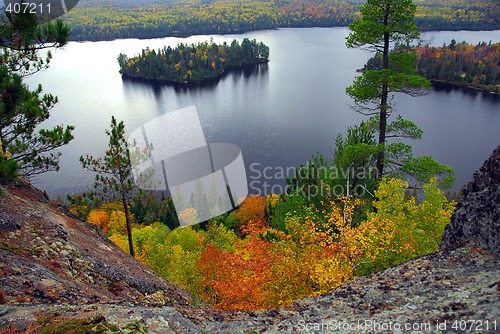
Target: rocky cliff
x,y
50,256
477,216
55,264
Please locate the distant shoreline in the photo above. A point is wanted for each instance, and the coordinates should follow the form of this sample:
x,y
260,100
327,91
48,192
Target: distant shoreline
x,y
195,82
240,32
444,83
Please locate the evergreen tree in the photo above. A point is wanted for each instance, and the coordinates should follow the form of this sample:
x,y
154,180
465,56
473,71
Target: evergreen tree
x,y
30,150
384,28
114,172
356,155
384,23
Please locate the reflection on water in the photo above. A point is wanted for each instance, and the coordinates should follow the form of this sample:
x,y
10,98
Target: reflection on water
x,y
446,87
156,87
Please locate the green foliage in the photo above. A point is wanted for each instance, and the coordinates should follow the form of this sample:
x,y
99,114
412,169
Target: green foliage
x,y
384,22
292,205
392,70
358,152
147,210
229,221
21,110
403,128
167,213
381,18
8,168
221,237
313,179
114,172
425,168
369,88
79,205
173,254
414,229
355,155
193,63
26,148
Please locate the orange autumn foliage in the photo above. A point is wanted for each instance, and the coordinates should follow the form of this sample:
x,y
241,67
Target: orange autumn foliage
x,y
237,280
100,218
271,269
253,212
253,207
321,249
254,226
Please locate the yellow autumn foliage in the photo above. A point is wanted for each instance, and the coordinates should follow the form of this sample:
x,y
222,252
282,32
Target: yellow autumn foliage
x,y
117,222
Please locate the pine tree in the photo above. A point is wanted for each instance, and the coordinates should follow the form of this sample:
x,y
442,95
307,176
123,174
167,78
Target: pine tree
x,y
114,172
387,27
384,23
30,150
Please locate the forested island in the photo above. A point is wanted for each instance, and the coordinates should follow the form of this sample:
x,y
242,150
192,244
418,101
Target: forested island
x,y
112,19
193,63
463,64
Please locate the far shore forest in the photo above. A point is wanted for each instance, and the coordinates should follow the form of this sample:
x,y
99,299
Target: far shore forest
x,y
457,63
463,64
94,20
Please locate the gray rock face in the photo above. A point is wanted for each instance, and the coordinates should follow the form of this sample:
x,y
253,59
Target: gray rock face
x,y
477,216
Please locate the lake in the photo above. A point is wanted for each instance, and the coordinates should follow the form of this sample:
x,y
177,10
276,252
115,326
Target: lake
x,y
279,115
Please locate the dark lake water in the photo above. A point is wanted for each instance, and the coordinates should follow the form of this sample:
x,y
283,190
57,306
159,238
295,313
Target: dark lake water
x,y
279,115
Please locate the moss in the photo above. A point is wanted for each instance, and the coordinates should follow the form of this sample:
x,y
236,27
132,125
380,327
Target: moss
x,y
95,324
135,327
9,248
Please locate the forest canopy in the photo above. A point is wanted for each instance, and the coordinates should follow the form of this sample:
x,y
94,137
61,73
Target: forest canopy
x,y
193,63
112,19
477,66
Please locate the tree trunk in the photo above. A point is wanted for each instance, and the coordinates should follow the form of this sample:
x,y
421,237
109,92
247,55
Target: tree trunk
x,y
383,100
129,225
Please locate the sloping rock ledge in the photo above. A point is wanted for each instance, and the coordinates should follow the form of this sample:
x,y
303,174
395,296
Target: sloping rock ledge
x,y
437,293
